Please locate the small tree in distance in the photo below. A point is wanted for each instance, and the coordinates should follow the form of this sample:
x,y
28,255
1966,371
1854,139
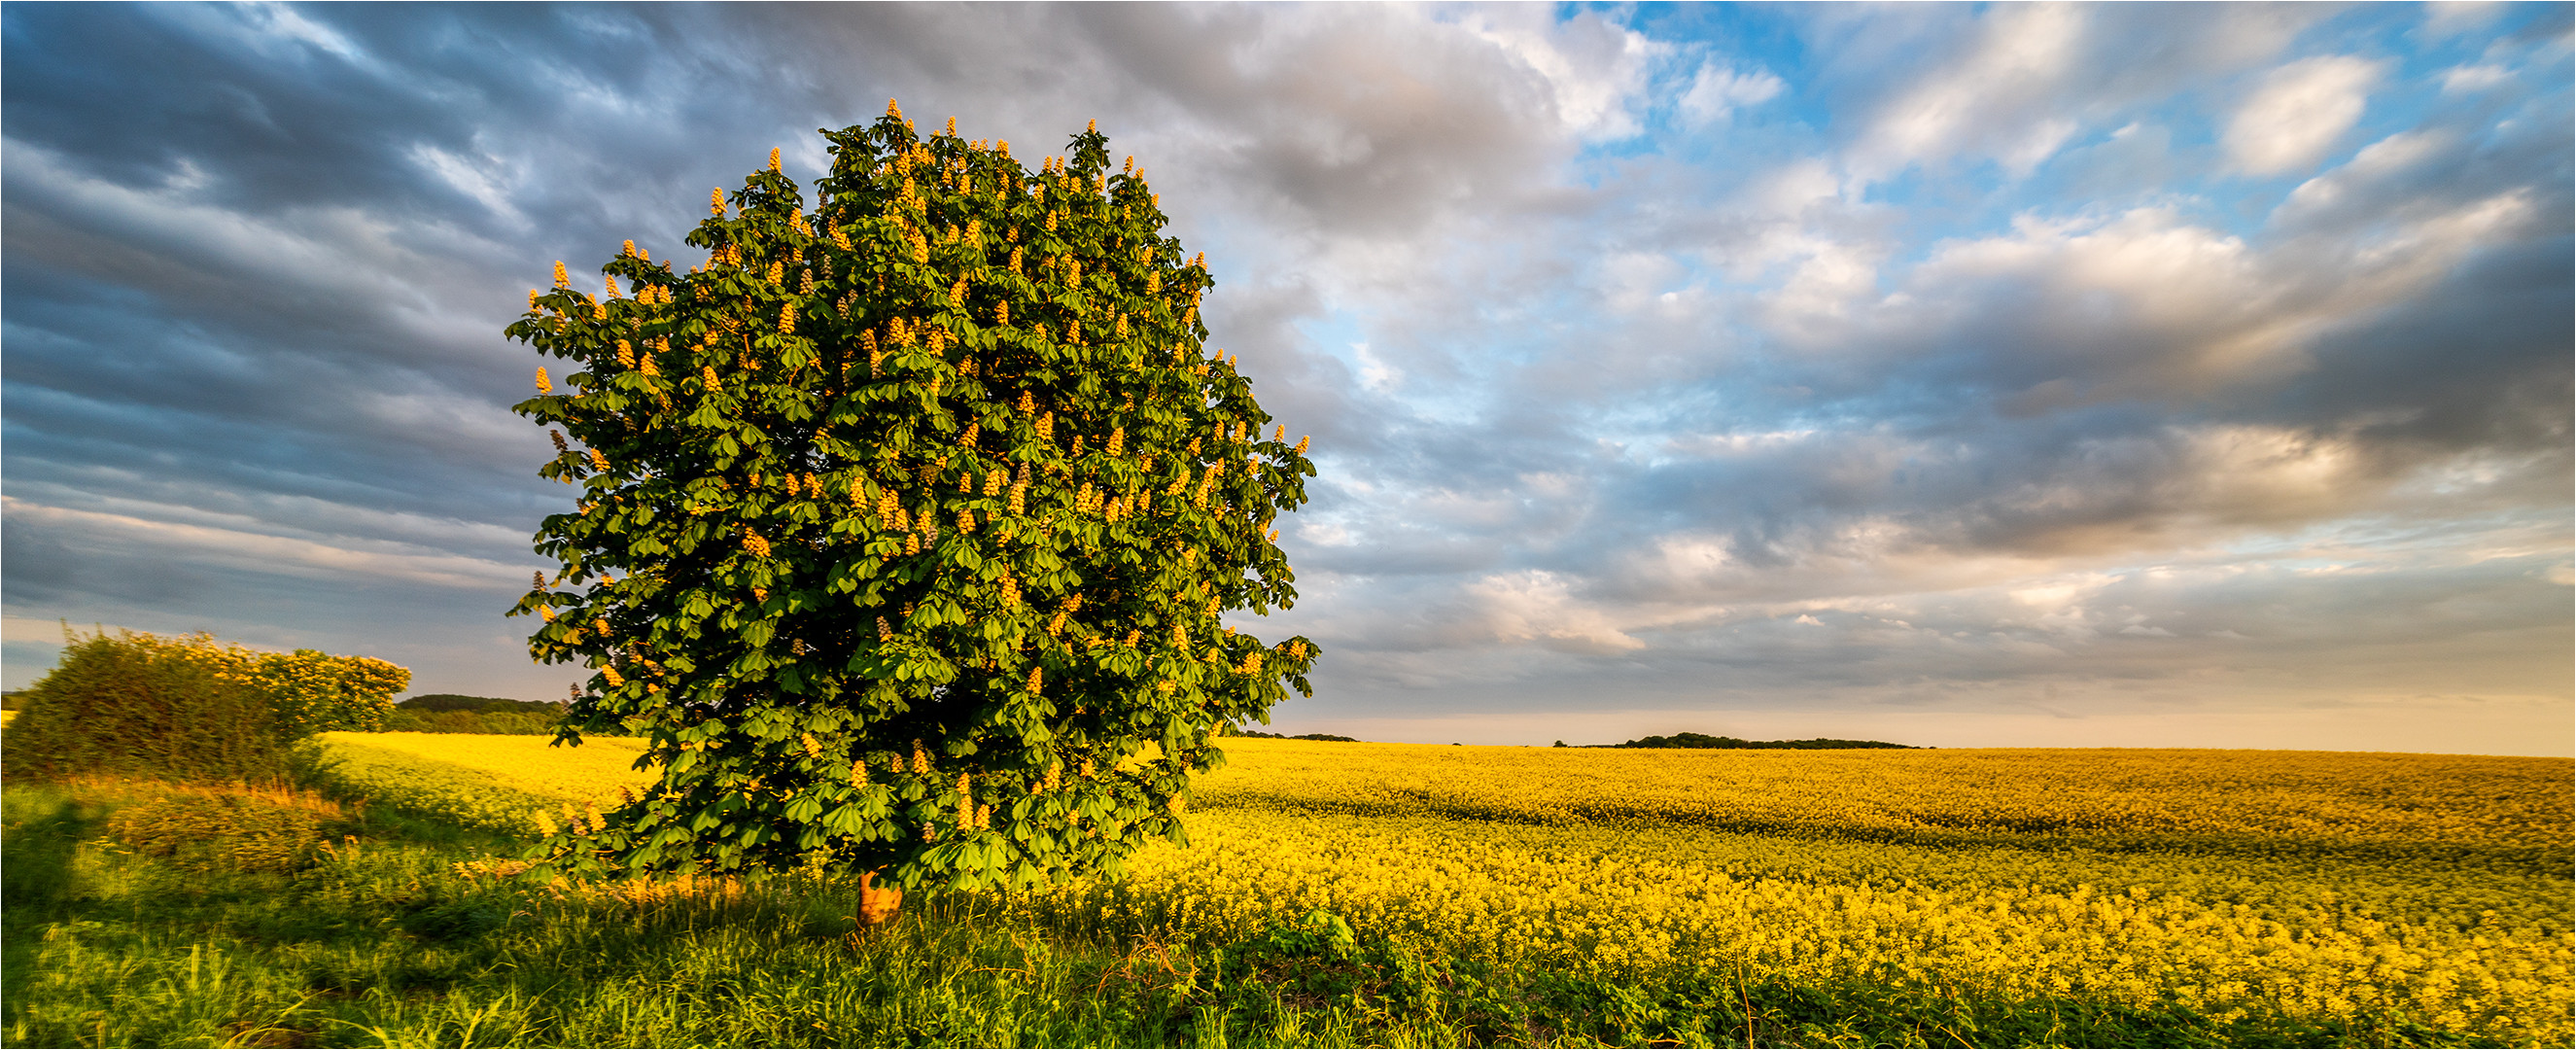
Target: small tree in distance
x,y
907,522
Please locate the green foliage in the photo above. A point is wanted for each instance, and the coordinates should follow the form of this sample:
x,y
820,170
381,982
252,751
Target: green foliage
x,y
315,692
480,715
907,523
188,708
436,702
240,830
484,723
1700,741
137,705
1327,737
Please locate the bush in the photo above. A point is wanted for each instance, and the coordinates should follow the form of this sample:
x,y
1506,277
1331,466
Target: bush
x,y
188,709
138,705
315,692
241,830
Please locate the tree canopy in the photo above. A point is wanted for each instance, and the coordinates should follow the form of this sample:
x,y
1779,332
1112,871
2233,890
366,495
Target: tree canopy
x,y
909,520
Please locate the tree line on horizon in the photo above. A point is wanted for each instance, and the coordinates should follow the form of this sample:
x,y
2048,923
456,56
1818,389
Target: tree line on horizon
x,y
1703,741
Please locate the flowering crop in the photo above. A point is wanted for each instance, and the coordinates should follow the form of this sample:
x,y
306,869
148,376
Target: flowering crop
x,y
508,783
2321,887
2444,802
2318,885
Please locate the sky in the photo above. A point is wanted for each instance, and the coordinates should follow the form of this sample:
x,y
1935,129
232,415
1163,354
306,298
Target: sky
x,y
1969,376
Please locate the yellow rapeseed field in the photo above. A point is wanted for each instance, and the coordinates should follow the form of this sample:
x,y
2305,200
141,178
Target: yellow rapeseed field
x,y
2433,889
500,782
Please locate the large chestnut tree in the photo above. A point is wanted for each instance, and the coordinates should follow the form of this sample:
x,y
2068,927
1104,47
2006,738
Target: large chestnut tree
x,y
907,522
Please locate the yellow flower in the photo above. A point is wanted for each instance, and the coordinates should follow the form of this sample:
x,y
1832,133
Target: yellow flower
x,y
544,385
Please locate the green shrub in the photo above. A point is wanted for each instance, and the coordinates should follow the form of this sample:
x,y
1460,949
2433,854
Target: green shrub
x,y
316,692
241,830
137,705
188,709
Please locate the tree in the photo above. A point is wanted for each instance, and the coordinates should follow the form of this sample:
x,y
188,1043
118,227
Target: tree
x,y
907,523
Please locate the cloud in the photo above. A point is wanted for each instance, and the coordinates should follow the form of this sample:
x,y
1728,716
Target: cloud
x,y
2015,85
1716,92
2022,53
2298,112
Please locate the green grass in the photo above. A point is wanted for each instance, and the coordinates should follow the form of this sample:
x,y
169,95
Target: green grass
x,y
397,939
409,932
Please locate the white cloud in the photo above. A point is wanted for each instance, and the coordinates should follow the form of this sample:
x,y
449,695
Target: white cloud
x,y
2465,80
1375,373
1991,98
2452,17
1540,607
2298,112
1716,92
2376,163
472,177
1596,69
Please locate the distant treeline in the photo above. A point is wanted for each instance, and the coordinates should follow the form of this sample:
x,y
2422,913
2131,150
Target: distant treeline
x,y
1300,736
451,713
1698,740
